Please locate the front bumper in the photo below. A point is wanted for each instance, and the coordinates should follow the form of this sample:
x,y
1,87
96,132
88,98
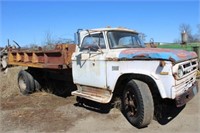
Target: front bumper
x,y
187,95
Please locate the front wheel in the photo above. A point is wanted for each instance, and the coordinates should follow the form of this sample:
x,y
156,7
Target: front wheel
x,y
137,103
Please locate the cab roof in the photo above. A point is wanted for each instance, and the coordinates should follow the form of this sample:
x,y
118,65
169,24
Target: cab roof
x,y
112,29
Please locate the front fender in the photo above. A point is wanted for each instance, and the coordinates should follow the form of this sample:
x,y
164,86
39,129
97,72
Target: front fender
x,y
151,69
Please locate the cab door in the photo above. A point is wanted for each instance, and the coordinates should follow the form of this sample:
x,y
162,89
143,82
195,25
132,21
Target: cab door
x,y
88,63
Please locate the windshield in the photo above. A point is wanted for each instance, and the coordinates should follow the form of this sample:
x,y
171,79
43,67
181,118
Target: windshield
x,y
121,39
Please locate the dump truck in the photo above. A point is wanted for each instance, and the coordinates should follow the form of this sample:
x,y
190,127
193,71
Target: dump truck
x,y
109,63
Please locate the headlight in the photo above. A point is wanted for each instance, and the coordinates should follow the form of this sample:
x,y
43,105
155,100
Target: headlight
x,y
180,72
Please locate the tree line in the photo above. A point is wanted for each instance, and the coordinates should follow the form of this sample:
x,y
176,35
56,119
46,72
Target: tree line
x,y
50,41
192,37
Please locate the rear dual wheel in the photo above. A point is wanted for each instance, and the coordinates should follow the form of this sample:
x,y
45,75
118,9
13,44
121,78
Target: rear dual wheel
x,y
4,64
27,84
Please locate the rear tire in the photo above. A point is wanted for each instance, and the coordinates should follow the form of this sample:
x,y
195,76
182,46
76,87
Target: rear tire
x,y
137,103
26,83
37,86
4,65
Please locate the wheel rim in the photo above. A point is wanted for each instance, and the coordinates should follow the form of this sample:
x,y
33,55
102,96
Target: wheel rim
x,y
22,84
130,104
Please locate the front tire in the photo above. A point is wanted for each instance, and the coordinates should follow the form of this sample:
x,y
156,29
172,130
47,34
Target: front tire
x,y
25,82
137,103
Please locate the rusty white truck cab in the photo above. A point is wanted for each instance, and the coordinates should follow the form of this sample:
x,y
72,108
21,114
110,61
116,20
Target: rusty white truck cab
x,y
111,62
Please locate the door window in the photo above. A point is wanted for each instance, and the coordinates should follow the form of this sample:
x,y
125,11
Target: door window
x,y
93,42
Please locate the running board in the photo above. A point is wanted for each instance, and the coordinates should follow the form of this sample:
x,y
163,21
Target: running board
x,y
94,94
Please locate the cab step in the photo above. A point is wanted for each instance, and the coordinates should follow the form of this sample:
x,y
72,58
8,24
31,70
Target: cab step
x,y
94,94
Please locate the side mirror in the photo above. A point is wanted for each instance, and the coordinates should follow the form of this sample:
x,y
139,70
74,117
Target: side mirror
x,y
77,37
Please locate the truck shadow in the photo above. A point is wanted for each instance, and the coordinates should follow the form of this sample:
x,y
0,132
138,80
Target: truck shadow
x,y
166,112
93,106
62,91
58,88
58,82
163,113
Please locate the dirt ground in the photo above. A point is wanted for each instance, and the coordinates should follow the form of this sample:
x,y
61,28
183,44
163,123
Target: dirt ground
x,y
45,112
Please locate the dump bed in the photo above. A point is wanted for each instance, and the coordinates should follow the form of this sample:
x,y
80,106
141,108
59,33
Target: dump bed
x,y
57,58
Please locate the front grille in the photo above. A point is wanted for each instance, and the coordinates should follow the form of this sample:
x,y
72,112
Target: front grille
x,y
189,67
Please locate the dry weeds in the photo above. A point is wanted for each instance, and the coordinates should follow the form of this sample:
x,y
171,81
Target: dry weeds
x,y
8,82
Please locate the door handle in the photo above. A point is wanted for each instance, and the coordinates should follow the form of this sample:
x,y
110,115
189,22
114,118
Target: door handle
x,y
93,63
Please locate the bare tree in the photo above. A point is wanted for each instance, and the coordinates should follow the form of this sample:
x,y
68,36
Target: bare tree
x,y
187,29
198,32
49,41
142,36
64,41
48,38
196,37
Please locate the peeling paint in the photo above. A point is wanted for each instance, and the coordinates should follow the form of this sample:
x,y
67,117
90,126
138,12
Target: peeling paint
x,y
156,53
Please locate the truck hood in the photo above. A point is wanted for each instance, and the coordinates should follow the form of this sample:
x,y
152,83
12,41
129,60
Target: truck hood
x,y
157,53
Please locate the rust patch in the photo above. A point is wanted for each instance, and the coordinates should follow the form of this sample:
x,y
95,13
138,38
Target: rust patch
x,y
187,95
57,58
157,53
